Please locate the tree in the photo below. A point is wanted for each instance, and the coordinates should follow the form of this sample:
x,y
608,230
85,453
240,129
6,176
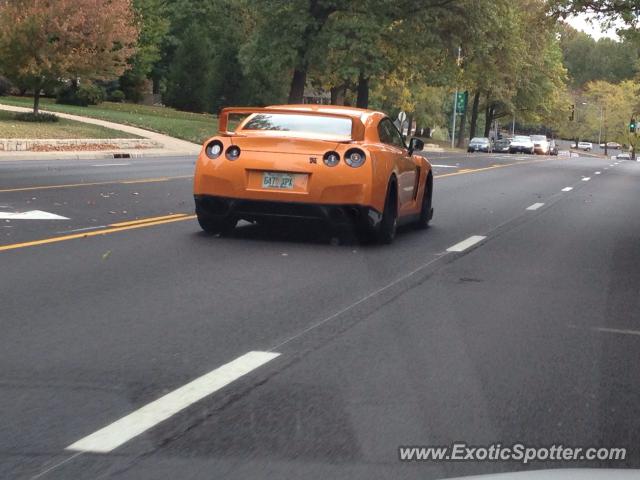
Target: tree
x,y
152,17
588,59
189,79
43,42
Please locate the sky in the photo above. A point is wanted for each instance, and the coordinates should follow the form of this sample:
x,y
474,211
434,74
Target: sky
x,y
581,22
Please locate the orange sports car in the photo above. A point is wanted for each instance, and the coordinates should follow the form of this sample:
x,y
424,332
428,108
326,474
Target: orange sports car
x,y
344,166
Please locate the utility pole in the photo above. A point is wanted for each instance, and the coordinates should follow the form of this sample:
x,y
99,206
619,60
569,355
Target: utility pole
x,y
455,105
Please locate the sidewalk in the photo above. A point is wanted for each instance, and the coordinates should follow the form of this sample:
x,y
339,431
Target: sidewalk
x,y
170,146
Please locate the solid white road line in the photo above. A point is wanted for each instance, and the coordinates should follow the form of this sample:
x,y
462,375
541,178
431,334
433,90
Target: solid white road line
x,y
123,430
444,166
615,330
83,229
463,245
606,329
586,179
111,165
535,206
567,189
31,215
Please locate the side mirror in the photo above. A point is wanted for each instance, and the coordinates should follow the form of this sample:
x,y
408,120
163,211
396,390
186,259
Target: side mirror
x,y
415,145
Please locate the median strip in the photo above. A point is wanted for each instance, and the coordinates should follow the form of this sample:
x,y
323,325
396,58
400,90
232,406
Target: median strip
x,y
138,224
114,435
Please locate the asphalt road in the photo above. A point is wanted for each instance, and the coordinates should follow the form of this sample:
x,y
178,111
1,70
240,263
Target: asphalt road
x,y
530,335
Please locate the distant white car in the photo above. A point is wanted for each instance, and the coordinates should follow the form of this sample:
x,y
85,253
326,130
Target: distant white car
x,y
586,146
623,156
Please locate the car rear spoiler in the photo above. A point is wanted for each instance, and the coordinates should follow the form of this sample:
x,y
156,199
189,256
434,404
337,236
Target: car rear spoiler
x,y
357,126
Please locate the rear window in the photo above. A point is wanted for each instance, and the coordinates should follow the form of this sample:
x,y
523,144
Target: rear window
x,y
479,140
538,137
303,124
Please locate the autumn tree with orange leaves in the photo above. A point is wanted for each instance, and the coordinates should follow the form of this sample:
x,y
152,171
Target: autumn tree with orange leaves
x,y
43,42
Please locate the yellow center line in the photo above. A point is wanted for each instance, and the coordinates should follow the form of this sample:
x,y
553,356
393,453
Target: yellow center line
x,y
94,233
147,220
93,184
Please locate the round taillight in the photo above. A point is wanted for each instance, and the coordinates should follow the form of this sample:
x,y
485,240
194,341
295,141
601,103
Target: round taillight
x,y
354,158
214,149
331,159
233,152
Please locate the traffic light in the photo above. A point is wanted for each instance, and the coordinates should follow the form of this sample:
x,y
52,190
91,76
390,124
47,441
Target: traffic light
x,y
573,113
632,125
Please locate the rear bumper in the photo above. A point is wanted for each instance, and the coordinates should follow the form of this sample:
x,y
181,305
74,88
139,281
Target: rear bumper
x,y
521,149
252,210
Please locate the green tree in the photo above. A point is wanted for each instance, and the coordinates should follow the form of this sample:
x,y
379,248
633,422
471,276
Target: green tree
x,y
189,78
152,16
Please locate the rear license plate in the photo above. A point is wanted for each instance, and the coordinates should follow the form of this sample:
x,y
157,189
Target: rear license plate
x,y
277,180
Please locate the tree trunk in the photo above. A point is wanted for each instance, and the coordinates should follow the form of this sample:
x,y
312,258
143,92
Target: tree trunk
x,y
474,114
36,100
337,95
488,120
363,92
298,82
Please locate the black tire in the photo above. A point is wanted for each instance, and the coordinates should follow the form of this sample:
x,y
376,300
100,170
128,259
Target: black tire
x,y
214,226
386,231
426,212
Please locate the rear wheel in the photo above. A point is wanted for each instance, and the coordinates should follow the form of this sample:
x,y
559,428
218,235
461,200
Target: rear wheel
x,y
386,230
426,211
214,226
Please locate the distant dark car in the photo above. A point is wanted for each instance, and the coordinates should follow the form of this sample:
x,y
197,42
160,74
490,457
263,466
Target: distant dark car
x,y
502,145
479,144
522,144
553,148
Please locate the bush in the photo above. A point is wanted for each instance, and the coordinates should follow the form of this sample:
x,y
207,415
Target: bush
x,y
82,96
116,96
32,117
5,86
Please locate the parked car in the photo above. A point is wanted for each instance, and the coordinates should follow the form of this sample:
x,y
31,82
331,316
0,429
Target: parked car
x,y
521,144
586,146
553,148
479,144
540,144
502,145
614,145
364,175
623,156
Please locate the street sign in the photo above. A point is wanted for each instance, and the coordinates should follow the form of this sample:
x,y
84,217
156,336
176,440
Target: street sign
x,y
461,102
402,116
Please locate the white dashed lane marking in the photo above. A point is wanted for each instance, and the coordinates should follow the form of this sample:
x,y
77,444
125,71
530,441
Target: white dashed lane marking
x,y
112,436
535,206
567,189
465,244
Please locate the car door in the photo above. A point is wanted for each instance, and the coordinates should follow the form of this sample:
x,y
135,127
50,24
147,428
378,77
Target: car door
x,y
399,154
